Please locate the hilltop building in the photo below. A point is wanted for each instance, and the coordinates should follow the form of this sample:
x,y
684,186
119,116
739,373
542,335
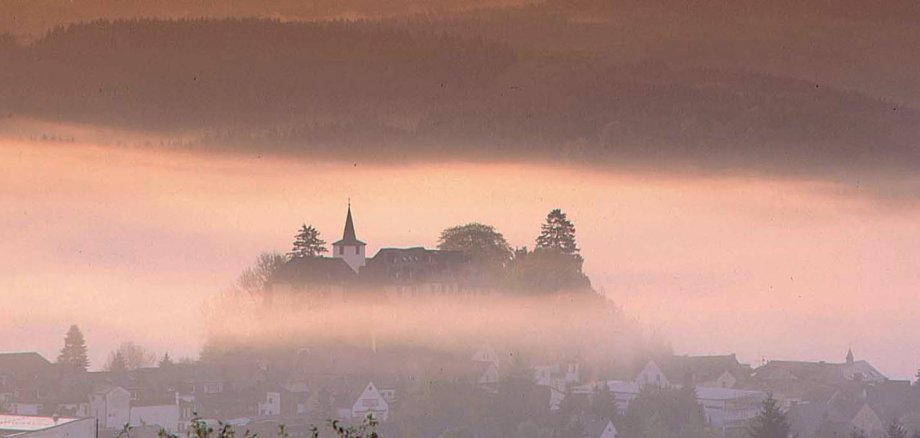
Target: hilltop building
x,y
398,271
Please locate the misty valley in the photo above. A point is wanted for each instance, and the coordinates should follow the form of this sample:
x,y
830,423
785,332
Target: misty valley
x,y
459,219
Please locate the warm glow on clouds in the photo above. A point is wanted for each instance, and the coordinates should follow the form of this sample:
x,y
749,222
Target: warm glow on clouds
x,y
121,242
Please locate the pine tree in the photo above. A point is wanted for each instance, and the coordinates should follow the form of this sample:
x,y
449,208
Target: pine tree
x,y
771,422
117,363
558,233
307,243
166,361
74,351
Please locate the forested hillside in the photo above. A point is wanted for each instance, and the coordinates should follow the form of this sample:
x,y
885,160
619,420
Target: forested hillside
x,y
591,82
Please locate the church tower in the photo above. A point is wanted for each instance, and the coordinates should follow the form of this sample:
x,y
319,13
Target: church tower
x,y
350,248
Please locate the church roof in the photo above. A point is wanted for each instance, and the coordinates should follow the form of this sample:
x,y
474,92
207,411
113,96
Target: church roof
x,y
348,236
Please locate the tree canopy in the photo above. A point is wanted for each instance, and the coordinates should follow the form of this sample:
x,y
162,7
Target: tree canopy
x,y
483,243
307,243
255,278
74,351
130,356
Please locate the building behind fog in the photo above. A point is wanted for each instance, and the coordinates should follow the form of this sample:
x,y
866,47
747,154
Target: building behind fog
x,y
399,272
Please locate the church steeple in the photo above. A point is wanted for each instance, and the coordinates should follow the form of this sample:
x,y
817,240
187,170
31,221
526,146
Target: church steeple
x,y
350,249
349,234
850,357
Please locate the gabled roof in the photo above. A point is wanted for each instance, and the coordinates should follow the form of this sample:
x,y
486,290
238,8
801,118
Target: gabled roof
x,y
313,270
348,236
824,372
699,369
22,363
595,426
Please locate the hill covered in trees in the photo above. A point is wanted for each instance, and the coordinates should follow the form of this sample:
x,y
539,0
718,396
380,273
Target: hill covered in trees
x,y
593,82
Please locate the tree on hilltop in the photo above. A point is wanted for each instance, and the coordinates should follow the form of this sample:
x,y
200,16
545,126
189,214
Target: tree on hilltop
x,y
74,351
557,232
485,245
256,278
307,243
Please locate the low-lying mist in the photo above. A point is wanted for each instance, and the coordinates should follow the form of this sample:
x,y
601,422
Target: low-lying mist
x,y
131,244
577,325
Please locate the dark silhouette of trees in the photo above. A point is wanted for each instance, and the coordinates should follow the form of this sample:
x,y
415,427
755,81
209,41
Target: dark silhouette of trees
x,y
486,246
665,412
74,351
116,363
307,243
130,356
771,422
166,361
558,233
256,278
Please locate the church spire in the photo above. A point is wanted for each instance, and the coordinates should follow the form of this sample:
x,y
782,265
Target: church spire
x,y
349,234
850,357
350,248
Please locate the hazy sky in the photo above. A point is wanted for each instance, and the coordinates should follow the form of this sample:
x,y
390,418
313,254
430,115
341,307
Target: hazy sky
x,y
130,244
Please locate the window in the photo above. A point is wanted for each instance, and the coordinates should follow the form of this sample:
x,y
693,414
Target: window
x,y
357,251
341,250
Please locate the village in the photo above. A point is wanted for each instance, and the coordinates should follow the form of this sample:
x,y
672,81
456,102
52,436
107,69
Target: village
x,y
413,391
405,390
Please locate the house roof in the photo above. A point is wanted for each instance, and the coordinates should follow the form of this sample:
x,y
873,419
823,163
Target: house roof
x,y
824,372
22,363
24,423
300,270
594,426
698,369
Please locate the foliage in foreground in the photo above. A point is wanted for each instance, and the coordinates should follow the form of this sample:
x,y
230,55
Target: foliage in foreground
x,y
200,429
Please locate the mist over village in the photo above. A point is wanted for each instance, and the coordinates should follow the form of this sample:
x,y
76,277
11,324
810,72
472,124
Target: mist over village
x,y
459,219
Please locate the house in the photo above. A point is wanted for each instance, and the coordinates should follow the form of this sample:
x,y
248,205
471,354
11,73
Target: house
x,y
700,371
727,410
398,272
652,374
621,392
22,426
24,382
288,400
559,375
371,402
799,381
163,413
598,427
111,406
868,407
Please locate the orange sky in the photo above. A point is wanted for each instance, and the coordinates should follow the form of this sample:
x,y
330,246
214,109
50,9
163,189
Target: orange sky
x,y
130,244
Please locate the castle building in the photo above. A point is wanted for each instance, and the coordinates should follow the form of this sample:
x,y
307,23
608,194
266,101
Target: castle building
x,y
396,271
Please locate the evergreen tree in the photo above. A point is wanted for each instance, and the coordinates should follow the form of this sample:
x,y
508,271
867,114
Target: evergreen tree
x,y
74,351
307,243
771,422
117,363
558,233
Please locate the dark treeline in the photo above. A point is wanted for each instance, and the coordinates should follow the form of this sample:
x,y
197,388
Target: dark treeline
x,y
434,88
